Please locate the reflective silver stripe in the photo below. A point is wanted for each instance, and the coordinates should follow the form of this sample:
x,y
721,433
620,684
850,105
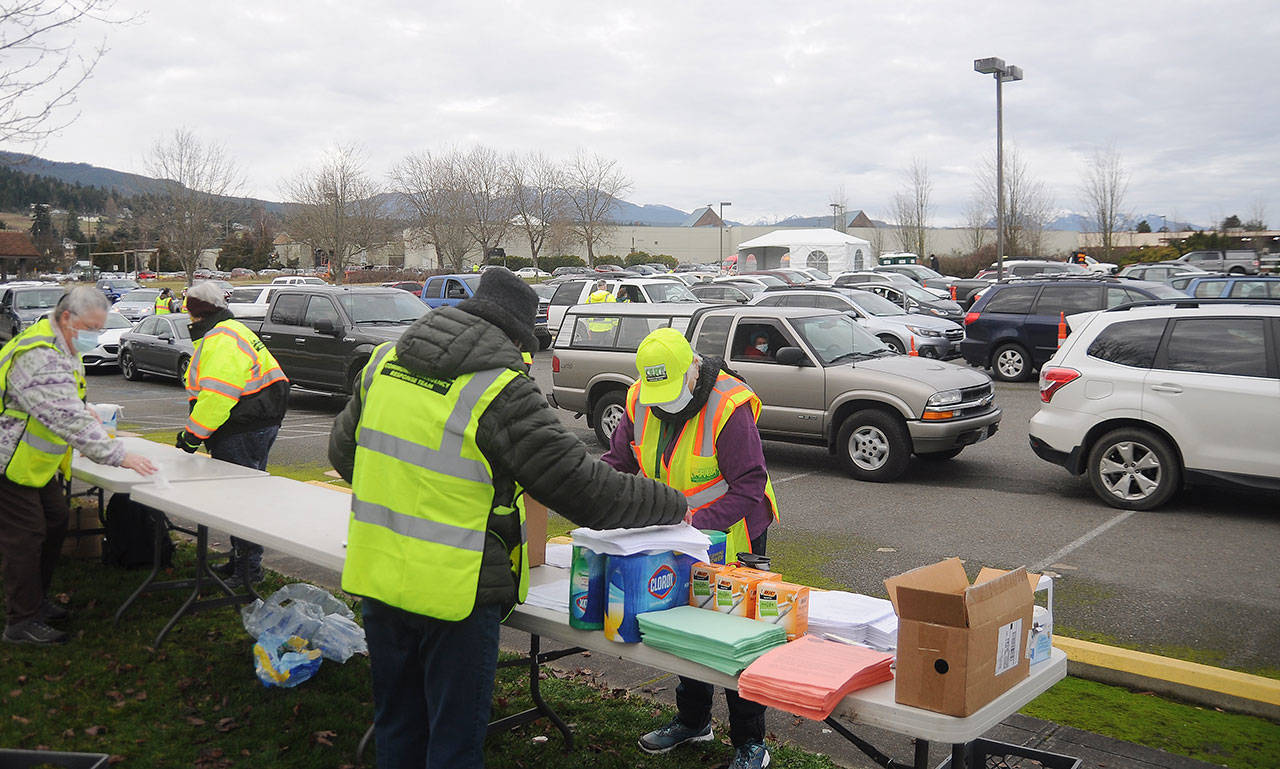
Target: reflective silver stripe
x,y
220,387
417,528
709,422
42,444
642,418
371,368
707,495
439,460
456,425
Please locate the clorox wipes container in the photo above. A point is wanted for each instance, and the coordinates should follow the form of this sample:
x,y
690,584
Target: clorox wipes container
x,y
641,583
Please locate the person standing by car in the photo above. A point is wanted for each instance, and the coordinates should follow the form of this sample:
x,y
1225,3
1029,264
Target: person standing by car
x,y
601,294
43,389
440,441
163,301
692,425
237,395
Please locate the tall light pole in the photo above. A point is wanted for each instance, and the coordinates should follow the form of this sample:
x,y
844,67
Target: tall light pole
x,y
1002,73
722,205
834,225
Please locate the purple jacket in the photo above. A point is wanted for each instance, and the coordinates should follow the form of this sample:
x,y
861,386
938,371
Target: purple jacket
x,y
740,455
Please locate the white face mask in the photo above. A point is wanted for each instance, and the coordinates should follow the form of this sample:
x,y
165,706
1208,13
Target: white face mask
x,y
763,347
677,405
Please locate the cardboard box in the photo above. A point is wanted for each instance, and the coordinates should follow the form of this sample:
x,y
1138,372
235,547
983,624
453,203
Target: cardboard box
x,y
959,645
736,590
702,584
83,517
535,527
785,604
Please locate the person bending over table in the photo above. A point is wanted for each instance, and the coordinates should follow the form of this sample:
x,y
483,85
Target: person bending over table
x,y
43,388
237,394
692,425
440,441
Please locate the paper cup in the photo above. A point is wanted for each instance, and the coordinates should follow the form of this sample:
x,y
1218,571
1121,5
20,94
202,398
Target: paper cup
x,y
109,413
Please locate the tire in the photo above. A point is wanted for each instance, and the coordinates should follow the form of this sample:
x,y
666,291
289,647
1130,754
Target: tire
x,y
129,367
873,445
1133,469
893,343
936,456
183,363
353,377
1011,363
607,414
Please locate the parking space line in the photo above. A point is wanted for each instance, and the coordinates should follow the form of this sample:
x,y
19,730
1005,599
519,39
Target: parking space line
x,y
795,477
1042,565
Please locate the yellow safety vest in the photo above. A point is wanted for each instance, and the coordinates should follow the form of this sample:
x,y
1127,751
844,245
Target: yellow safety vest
x,y
162,305
422,491
40,452
601,296
601,325
229,362
693,469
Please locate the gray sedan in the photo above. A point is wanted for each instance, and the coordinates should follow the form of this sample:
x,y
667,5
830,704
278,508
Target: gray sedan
x,y
159,345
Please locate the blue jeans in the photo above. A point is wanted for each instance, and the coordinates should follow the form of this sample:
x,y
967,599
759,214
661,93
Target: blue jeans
x,y
432,685
249,449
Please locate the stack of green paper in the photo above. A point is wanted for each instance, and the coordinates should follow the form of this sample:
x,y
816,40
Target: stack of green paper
x,y
723,642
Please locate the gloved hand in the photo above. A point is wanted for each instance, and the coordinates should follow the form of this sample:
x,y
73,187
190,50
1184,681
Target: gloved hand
x,y
187,442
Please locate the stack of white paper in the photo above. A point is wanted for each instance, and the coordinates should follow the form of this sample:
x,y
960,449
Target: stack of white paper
x,y
550,595
559,556
681,537
853,617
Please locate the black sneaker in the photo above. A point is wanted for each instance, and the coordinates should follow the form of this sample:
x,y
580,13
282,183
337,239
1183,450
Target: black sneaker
x,y
225,570
52,612
33,631
752,755
673,734
234,581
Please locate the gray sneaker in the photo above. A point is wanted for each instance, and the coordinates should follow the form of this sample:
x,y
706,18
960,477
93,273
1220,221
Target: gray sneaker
x,y
234,581
673,734
33,632
752,755
52,612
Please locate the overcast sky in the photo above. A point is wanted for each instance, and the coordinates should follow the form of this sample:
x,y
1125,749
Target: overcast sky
x,y
773,106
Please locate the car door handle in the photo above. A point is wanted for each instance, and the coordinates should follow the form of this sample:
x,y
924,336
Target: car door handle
x,y
1166,388
299,340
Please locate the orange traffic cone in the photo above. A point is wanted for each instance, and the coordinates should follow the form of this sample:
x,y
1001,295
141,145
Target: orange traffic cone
x,y
1062,328
953,293
913,348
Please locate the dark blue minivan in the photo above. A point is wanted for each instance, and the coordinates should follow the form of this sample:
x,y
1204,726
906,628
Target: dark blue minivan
x,y
1013,327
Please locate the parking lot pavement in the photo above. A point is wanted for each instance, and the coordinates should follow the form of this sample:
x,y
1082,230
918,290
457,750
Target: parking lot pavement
x,y
1193,579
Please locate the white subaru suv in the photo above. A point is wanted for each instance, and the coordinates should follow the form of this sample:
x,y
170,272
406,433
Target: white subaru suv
x,y
1147,397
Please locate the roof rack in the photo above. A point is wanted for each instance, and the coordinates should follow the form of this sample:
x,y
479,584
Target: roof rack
x,y
1057,276
1192,302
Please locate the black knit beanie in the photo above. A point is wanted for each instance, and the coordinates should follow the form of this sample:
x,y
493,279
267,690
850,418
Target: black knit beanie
x,y
508,303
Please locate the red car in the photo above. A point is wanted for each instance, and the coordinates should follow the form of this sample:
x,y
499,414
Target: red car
x,y
146,275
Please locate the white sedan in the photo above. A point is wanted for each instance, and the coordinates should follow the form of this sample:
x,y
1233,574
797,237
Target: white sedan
x,y
532,272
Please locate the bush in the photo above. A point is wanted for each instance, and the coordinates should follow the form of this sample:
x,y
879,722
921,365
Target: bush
x,y
643,257
550,263
609,259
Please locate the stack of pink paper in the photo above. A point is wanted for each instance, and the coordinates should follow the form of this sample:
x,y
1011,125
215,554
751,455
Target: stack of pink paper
x,y
809,675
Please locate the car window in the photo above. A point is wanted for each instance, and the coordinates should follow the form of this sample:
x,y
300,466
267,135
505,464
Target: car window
x,y
633,329
1250,289
1130,343
41,299
141,295
872,304
1012,299
1119,296
183,329
836,337
758,342
773,301
392,307
712,335
1208,289
593,331
567,293
116,320
455,290
823,301
245,295
288,309
434,289
1233,346
1068,299
320,308
147,326
670,292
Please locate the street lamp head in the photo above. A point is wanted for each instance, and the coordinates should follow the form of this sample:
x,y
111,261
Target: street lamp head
x,y
989,66
1011,74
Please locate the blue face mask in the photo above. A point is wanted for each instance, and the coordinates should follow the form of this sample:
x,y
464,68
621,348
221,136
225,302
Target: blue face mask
x,y
86,340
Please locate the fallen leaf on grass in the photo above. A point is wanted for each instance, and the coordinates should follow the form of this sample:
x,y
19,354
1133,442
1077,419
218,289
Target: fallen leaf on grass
x,y
140,696
195,721
115,759
226,724
21,720
94,731
68,734
15,692
22,680
540,739
63,598
324,737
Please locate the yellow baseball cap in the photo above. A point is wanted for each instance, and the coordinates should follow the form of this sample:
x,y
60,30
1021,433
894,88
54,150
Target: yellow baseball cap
x,y
661,362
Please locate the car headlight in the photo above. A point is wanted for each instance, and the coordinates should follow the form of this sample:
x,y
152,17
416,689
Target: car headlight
x,y
925,332
944,398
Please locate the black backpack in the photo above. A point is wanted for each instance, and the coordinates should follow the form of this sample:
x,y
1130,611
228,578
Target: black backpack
x,y
128,543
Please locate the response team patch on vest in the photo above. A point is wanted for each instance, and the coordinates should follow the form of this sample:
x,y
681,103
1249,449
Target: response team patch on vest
x,y
396,371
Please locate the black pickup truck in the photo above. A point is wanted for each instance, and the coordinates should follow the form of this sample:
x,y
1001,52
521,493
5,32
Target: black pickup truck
x,y
323,335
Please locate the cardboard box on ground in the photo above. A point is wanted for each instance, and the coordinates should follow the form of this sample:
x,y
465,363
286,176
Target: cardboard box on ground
x,y
959,645
83,516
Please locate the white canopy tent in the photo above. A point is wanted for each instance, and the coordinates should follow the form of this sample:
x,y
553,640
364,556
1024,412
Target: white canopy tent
x,y
824,249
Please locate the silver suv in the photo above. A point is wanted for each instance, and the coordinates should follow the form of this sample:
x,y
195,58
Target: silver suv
x,y
822,379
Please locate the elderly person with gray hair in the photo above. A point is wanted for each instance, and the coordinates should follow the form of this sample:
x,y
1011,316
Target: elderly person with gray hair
x,y
45,415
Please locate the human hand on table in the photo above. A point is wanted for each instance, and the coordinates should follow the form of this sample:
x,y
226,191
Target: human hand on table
x,y
139,464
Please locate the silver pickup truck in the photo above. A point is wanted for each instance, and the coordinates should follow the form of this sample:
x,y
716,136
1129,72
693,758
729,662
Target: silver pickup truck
x,y
1232,262
823,380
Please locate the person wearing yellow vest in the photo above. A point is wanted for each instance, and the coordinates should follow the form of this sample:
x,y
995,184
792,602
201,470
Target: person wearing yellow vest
x,y
162,302
442,439
43,389
601,294
692,425
237,395
182,301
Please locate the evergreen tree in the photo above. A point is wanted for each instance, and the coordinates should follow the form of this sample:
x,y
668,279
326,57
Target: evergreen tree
x,y
45,236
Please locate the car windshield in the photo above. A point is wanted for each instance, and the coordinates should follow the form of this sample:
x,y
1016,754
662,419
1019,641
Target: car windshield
x,y
116,320
817,274
473,281
222,284
41,299
922,272
244,295
770,280
147,295
920,295
122,284
838,338
670,292
874,305
544,290
1166,292
398,307
750,289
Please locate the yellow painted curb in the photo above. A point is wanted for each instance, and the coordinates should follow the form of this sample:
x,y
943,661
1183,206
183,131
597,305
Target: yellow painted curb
x,y
1229,682
327,485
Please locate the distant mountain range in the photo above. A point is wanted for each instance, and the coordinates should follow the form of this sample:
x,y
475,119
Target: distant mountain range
x,y
624,212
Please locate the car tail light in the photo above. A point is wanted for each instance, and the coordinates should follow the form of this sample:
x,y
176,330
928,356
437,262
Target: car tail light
x,y
1054,379
555,364
970,317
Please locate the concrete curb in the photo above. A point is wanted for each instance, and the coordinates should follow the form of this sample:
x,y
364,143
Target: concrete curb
x,y
1190,681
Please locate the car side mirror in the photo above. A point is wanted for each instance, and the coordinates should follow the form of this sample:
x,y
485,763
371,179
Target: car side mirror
x,y
792,356
326,326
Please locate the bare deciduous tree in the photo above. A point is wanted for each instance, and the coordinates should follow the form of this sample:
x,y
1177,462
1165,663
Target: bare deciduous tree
x,y
335,208
434,189
487,184
1105,184
1026,201
911,208
41,63
195,202
594,184
877,241
976,217
538,196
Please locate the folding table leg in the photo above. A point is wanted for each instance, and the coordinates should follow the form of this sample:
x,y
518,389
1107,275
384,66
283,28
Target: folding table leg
x,y
159,531
204,575
872,752
960,756
922,754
